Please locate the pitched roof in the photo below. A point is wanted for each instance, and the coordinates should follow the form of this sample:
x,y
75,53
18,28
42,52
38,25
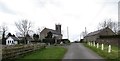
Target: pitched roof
x,y
14,38
20,38
53,31
28,38
96,32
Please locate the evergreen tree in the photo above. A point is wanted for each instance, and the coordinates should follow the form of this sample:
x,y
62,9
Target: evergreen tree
x,y
36,37
9,34
49,35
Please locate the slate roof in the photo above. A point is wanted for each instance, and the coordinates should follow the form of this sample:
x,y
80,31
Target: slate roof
x,y
20,38
28,38
53,31
96,32
15,38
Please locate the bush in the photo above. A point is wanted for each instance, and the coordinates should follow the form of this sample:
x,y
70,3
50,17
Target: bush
x,y
49,40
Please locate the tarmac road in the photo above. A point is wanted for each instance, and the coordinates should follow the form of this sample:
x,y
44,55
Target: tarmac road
x,y
79,51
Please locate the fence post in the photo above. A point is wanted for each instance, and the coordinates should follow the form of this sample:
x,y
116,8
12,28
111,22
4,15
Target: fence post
x,y
94,43
102,47
91,43
48,44
109,48
97,45
88,43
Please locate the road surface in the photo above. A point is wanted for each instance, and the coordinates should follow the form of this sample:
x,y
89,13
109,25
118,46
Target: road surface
x,y
79,51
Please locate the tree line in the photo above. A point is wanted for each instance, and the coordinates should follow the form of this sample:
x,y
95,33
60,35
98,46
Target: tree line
x,y
24,27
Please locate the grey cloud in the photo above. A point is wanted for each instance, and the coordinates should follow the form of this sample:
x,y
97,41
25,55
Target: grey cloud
x,y
55,2
5,9
42,3
72,15
111,1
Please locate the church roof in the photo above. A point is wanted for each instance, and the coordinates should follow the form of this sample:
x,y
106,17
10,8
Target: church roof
x,y
51,30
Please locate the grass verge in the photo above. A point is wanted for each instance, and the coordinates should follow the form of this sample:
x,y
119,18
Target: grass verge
x,y
54,53
112,56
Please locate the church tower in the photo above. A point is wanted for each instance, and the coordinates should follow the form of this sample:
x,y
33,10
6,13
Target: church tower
x,y
58,28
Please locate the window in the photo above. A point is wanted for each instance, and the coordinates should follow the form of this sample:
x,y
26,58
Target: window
x,y
12,42
8,41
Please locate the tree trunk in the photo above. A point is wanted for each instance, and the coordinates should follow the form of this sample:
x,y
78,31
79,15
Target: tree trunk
x,y
3,38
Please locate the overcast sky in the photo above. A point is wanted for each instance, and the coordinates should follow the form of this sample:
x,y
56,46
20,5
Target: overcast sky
x,y
76,14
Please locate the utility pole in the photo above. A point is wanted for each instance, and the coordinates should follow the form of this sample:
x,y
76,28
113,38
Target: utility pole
x,y
80,36
67,32
119,17
85,31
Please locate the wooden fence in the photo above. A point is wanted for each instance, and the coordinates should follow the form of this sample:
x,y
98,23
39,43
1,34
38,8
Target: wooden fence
x,y
15,51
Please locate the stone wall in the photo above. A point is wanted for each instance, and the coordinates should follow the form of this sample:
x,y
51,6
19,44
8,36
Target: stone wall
x,y
91,38
111,41
15,51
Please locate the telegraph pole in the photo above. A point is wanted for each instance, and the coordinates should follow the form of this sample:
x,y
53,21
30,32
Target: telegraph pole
x,y
67,33
85,31
119,17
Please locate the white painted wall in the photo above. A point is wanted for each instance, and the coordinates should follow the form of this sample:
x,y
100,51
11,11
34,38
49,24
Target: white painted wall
x,y
10,41
15,42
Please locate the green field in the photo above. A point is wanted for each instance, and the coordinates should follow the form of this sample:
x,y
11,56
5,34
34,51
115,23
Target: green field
x,y
112,56
53,52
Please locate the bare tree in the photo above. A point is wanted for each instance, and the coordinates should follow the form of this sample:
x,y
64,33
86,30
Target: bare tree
x,y
38,30
109,23
106,23
4,29
115,27
24,27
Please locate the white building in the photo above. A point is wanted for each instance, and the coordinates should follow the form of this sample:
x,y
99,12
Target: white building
x,y
12,40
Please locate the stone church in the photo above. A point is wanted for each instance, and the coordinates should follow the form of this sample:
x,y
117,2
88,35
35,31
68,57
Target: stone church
x,y
56,33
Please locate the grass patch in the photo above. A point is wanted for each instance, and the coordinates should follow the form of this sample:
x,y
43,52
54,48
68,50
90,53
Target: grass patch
x,y
112,56
53,52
